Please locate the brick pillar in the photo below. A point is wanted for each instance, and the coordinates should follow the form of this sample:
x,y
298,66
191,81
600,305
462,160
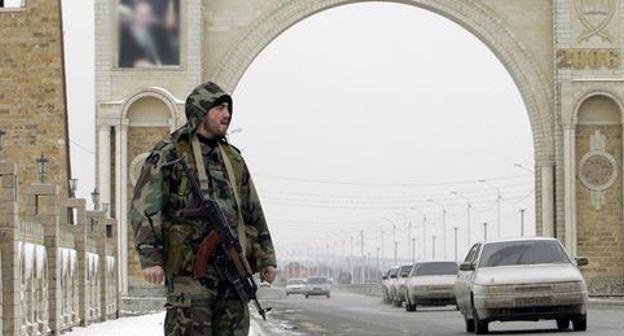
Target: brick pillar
x,y
99,220
80,239
9,228
43,207
113,241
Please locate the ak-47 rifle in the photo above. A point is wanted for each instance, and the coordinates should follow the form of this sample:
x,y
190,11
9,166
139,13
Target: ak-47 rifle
x,y
215,231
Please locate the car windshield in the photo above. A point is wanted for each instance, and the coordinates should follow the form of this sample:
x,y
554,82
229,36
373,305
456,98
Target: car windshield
x,y
316,281
522,253
295,282
405,270
436,268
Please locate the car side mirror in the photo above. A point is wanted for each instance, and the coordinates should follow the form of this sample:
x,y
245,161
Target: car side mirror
x,y
466,266
582,261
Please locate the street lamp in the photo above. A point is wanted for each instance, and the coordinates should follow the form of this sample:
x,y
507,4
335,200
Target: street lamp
x,y
498,199
2,134
424,229
455,232
522,222
409,231
95,197
73,186
42,168
443,224
469,205
485,232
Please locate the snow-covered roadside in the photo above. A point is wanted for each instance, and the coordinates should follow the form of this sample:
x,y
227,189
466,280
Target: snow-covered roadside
x,y
146,325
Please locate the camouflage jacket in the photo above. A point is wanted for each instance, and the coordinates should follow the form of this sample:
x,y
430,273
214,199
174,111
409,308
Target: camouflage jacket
x,y
167,238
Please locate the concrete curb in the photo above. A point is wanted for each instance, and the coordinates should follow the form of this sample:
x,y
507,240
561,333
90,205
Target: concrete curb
x,y
606,302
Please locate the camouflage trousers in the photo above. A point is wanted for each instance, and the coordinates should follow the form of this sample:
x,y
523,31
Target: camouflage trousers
x,y
195,310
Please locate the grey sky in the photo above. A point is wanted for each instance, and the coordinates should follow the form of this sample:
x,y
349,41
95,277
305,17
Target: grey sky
x,y
382,98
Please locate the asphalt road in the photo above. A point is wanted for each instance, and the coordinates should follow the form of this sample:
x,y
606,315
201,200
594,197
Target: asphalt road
x,y
353,314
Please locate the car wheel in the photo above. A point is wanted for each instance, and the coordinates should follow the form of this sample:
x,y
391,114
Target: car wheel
x,y
480,326
328,296
580,323
563,324
307,296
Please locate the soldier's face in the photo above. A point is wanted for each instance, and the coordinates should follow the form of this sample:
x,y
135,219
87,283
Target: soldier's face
x,y
217,120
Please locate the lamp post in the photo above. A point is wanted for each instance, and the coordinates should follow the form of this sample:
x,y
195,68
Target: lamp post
x,y
485,231
409,231
443,225
73,186
2,134
424,232
455,232
42,168
95,197
522,222
498,199
433,237
469,205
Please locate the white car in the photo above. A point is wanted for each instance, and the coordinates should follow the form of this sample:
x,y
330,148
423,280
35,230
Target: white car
x,y
431,283
390,275
400,284
527,279
317,286
295,286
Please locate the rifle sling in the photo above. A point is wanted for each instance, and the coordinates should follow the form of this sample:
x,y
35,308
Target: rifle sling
x,y
203,183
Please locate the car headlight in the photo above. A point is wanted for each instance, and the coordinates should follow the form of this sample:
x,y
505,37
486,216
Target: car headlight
x,y
492,289
569,286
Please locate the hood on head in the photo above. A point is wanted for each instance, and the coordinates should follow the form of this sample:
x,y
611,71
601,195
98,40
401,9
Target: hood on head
x,y
202,99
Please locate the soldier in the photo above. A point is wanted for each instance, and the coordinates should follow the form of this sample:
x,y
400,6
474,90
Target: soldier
x,y
167,240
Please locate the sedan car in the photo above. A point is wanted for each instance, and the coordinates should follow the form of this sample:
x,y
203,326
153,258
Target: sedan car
x,y
317,286
431,283
400,286
526,279
295,286
389,276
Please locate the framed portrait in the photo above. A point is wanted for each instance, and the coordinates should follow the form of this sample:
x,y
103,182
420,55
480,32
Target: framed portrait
x,y
149,33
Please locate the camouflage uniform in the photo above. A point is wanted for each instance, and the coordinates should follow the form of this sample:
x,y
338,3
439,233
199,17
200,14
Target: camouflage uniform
x,y
165,237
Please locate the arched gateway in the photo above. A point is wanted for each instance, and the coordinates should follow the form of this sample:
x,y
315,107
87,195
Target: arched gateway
x,y
564,56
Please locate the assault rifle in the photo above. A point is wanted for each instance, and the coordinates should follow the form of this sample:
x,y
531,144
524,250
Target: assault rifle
x,y
215,232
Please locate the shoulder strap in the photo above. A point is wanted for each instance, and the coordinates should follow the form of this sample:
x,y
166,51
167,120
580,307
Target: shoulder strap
x,y
242,236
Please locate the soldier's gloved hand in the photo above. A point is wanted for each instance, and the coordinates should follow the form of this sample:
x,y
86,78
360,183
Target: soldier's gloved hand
x,y
268,274
154,275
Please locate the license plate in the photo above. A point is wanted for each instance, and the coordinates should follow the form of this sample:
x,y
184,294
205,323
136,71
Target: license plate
x,y
318,289
533,301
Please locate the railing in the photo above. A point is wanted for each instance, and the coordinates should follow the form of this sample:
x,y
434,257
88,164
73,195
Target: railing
x,y
53,274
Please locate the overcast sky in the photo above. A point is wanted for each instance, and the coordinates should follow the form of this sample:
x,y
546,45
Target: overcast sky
x,y
355,115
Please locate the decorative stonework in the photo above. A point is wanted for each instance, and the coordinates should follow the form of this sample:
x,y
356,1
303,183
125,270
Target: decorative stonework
x,y
595,23
598,169
595,16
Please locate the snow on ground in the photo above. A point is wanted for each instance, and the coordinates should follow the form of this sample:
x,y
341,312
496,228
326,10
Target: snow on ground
x,y
146,325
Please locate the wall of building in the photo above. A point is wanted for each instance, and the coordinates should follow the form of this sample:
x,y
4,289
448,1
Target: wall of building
x,y
32,90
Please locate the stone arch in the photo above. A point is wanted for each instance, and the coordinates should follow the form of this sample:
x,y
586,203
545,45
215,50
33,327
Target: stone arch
x,y
478,19
612,97
160,94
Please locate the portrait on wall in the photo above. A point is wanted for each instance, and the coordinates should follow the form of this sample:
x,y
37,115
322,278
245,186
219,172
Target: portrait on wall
x,y
149,33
